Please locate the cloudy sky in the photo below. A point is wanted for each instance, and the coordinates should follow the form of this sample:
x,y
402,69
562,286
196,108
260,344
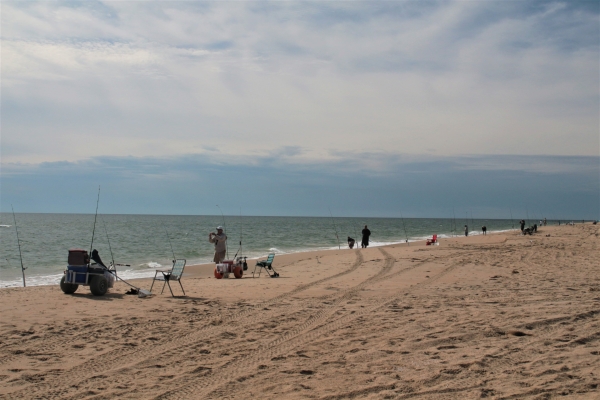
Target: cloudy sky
x,y
292,108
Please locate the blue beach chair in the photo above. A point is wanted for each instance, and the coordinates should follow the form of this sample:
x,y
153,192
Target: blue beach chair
x,y
267,266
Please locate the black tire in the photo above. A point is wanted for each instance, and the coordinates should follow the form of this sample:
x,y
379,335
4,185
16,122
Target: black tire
x,y
99,285
68,288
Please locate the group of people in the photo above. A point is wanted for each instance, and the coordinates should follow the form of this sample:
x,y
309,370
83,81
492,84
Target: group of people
x,y
530,230
219,239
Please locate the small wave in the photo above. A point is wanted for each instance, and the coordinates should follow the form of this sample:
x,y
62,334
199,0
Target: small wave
x,y
5,226
33,280
151,264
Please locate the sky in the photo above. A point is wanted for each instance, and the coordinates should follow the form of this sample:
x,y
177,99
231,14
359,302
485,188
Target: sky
x,y
298,108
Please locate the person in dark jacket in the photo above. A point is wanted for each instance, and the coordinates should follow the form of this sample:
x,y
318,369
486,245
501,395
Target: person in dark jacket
x,y
365,237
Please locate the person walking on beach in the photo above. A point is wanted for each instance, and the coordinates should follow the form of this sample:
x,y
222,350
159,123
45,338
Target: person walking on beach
x,y
220,241
466,230
484,230
365,237
351,242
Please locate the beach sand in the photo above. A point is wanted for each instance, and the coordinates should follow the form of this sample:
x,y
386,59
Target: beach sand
x,y
500,316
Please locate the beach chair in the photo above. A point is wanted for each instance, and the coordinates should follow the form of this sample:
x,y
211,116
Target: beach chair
x,y
173,274
267,266
431,241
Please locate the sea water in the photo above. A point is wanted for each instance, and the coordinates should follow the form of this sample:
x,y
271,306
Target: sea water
x,y
148,242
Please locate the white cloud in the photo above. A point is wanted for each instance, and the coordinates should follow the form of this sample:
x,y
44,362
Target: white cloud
x,y
157,79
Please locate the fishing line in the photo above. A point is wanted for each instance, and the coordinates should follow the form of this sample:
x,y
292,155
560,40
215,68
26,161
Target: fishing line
x,y
95,217
405,234
108,240
511,218
454,215
335,227
240,249
19,244
171,244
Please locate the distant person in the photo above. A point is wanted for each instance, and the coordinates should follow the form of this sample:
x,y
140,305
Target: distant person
x,y
351,242
365,237
535,228
545,221
466,230
522,223
484,230
220,241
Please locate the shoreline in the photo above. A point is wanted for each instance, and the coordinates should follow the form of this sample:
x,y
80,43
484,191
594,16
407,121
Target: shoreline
x,y
18,283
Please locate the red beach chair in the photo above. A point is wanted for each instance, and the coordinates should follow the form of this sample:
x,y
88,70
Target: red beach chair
x,y
432,240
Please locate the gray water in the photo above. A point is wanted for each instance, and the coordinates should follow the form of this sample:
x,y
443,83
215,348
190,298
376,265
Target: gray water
x,y
143,240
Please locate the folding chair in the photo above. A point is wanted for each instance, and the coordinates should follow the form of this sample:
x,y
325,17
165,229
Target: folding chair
x,y
267,266
173,274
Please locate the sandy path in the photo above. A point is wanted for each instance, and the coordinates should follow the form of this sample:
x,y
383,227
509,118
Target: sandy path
x,y
502,316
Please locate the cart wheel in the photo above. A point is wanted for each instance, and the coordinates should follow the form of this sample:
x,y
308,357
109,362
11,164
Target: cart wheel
x,y
218,275
238,272
68,288
99,285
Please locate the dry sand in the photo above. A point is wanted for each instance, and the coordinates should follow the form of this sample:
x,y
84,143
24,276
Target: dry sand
x,y
502,316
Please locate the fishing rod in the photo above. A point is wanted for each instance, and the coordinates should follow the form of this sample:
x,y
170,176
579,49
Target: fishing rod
x,y
527,212
114,264
454,215
405,234
95,217
19,244
335,227
171,244
240,249
225,228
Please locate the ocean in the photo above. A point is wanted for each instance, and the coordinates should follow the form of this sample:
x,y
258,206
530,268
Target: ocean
x,y
147,242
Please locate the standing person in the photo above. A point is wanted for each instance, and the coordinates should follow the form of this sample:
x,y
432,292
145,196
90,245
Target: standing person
x,y
522,223
365,237
466,230
351,242
484,230
545,221
220,241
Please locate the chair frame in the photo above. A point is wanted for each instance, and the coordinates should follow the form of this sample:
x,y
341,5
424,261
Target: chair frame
x,y
167,276
266,265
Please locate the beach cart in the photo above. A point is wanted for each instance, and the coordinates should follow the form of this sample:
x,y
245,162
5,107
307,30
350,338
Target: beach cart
x,y
80,272
227,267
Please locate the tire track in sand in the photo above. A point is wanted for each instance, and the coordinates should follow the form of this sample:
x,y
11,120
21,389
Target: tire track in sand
x,y
215,326
327,309
306,332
